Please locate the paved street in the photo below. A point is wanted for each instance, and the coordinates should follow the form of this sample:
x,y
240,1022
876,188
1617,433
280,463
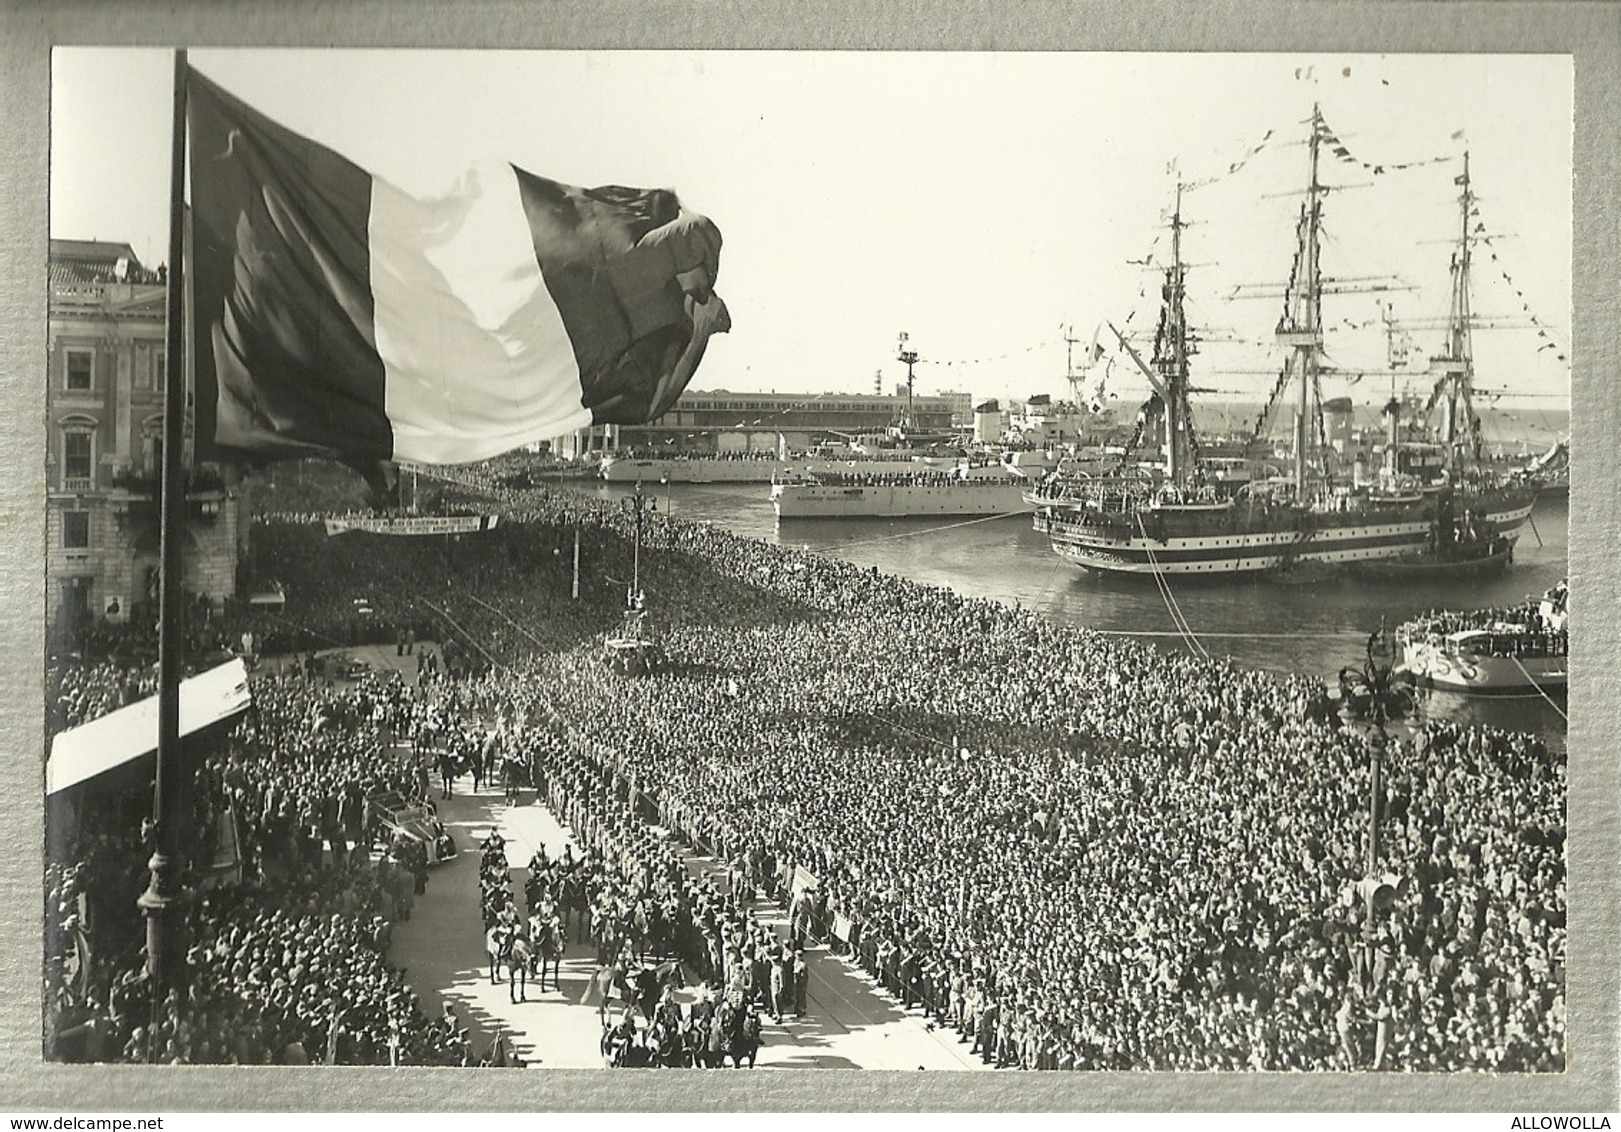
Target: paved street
x,y
849,1024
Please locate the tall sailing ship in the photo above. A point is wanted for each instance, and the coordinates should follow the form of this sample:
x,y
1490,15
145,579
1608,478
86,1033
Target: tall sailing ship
x,y
1172,515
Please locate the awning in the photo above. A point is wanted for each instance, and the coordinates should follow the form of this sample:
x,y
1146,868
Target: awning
x,y
81,753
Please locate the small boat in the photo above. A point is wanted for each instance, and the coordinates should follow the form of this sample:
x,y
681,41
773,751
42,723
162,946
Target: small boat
x,y
1471,559
1303,572
1491,650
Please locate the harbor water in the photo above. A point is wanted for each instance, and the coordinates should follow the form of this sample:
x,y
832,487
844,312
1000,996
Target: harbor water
x,y
1312,628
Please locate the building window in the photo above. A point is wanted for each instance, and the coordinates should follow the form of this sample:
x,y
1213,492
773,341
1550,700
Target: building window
x,y
76,530
148,366
78,458
80,363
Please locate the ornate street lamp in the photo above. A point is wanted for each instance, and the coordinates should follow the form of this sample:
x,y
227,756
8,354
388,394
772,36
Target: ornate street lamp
x,y
633,649
1372,698
638,505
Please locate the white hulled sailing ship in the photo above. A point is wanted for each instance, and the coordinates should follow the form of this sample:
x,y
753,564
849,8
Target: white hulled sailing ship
x,y
1172,515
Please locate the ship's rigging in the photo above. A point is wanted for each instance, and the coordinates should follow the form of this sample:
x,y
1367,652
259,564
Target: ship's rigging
x,y
1447,406
1179,513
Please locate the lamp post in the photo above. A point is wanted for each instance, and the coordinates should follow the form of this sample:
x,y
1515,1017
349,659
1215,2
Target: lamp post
x,y
1371,699
163,902
639,505
574,592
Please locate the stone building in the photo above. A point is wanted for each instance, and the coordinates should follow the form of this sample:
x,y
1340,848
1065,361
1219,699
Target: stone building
x,y
104,447
962,407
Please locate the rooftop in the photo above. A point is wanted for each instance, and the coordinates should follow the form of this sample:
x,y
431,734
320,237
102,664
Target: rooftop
x,y
79,263
100,251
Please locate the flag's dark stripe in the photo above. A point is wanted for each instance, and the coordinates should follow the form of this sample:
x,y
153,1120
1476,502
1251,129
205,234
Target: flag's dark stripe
x,y
285,357
620,304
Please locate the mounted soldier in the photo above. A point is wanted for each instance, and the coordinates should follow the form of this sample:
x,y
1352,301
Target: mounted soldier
x,y
549,948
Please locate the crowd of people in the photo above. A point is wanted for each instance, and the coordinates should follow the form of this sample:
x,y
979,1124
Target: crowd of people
x,y
80,692
1537,627
1078,851
628,896
927,478
287,943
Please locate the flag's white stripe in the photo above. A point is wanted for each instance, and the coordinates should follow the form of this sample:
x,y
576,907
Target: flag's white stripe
x,y
475,355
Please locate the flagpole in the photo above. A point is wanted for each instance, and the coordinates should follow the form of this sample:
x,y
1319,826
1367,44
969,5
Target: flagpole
x,y
162,902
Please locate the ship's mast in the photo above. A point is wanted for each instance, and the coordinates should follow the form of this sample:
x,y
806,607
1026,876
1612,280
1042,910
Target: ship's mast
x,y
1168,373
906,353
1171,359
1301,329
1454,369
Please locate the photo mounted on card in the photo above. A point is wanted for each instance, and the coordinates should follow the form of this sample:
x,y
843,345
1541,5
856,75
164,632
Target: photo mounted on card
x,y
1094,595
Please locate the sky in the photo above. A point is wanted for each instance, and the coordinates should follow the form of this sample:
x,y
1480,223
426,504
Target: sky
x,y
985,204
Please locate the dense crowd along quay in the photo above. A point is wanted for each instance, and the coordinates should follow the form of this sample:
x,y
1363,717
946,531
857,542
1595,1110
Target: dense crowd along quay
x,y
1021,784
593,754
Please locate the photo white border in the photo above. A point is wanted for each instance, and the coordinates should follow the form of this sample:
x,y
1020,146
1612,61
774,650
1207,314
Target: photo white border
x,y
1590,32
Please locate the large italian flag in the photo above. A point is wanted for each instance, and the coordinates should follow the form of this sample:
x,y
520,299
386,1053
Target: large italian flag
x,y
334,314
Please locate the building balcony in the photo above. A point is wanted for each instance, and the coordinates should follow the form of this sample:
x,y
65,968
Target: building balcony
x,y
140,483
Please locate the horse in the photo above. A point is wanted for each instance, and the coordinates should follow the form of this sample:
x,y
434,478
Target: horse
x,y
574,901
669,1046
520,961
652,982
549,947
498,946
512,779
743,1037
608,982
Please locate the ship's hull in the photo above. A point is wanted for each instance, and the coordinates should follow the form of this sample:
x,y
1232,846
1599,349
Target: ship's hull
x,y
694,469
1215,542
1554,487
721,469
1440,664
1426,567
897,501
